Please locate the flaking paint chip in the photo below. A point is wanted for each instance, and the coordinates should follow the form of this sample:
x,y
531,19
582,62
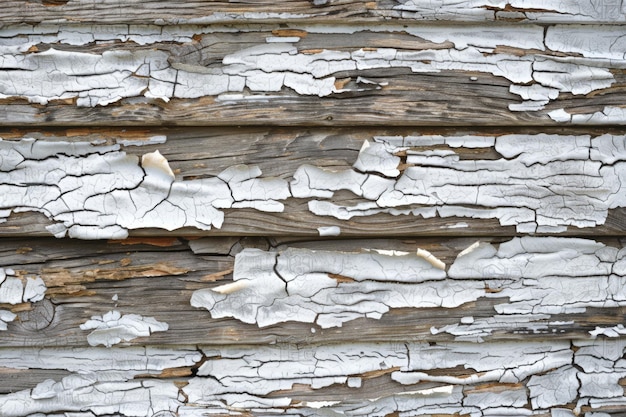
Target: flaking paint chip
x,y
156,161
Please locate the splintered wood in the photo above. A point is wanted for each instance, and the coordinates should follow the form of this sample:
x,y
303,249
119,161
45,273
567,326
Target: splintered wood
x,y
312,208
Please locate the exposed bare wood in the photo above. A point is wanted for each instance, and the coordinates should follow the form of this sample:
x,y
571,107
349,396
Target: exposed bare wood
x,y
496,292
565,378
209,11
326,207
335,75
91,185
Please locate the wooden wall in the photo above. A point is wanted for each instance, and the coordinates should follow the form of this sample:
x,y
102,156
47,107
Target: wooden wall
x,y
312,208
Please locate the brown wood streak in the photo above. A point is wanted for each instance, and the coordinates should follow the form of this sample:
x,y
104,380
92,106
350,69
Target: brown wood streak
x,y
166,296
403,97
200,153
406,106
418,100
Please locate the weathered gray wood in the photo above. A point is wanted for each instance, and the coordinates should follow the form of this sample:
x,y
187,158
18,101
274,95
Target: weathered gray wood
x,y
163,285
563,378
308,74
383,182
206,11
327,265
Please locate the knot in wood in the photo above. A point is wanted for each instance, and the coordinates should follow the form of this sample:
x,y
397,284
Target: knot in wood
x,y
39,317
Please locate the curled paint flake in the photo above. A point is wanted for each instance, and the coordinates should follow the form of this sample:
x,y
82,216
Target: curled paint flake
x,y
329,230
374,157
6,317
157,163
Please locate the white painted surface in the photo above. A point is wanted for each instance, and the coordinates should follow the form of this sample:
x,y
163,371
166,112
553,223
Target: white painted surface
x,y
534,277
538,78
113,328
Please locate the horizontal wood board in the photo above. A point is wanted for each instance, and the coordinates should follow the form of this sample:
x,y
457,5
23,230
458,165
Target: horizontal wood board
x,y
331,11
313,74
381,208
311,182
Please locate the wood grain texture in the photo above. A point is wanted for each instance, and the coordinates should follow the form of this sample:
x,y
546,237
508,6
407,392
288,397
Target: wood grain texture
x,y
207,11
357,379
299,74
327,207
162,280
92,183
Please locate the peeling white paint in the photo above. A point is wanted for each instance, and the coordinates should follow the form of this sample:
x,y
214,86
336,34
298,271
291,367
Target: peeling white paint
x,y
614,331
298,285
432,259
101,381
15,290
543,183
99,192
533,277
329,230
610,115
506,362
97,394
113,328
531,10
492,379
154,163
374,157
6,317
129,361
114,75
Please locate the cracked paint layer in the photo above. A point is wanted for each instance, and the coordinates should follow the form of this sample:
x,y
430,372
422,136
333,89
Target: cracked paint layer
x,y
542,183
539,66
112,328
520,377
102,381
99,192
507,378
15,290
324,287
533,278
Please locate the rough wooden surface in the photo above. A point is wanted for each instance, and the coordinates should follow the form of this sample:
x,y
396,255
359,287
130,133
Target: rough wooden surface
x,y
312,74
567,362
310,183
245,291
332,11
312,208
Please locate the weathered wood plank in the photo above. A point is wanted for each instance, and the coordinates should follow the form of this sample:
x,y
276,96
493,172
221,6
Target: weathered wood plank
x,y
522,378
211,11
294,74
238,292
159,292
100,184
